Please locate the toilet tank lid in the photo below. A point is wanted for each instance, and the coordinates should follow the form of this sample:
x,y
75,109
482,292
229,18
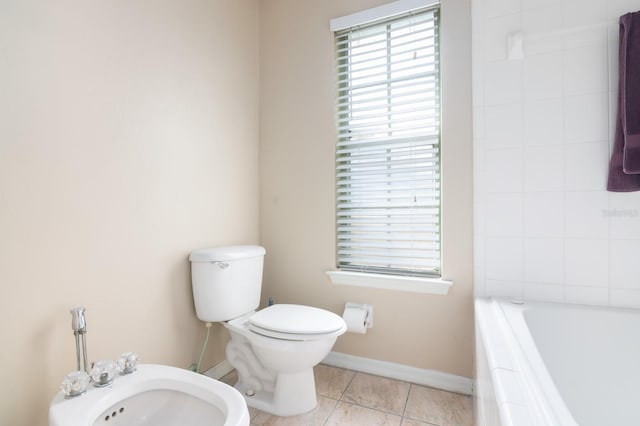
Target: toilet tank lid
x,y
226,253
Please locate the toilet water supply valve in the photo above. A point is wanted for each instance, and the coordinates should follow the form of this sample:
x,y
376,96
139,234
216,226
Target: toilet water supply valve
x,y
196,367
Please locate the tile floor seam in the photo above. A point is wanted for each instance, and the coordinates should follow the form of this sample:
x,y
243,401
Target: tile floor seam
x,y
406,401
371,408
332,411
363,376
348,384
422,421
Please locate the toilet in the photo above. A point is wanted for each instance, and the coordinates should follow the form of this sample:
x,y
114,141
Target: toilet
x,y
274,349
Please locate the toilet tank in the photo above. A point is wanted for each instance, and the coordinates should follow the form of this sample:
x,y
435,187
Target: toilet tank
x,y
226,281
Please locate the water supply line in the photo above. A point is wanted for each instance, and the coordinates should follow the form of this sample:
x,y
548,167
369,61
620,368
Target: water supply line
x,y
79,326
204,347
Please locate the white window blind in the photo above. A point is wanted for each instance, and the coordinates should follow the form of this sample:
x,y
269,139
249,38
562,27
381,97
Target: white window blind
x,y
387,153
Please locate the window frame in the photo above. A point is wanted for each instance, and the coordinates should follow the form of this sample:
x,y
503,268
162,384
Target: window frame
x,y
389,278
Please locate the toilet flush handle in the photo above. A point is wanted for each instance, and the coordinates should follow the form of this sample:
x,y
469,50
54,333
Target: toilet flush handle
x,y
221,265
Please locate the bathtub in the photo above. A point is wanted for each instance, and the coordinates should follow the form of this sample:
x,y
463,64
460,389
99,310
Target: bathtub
x,y
553,364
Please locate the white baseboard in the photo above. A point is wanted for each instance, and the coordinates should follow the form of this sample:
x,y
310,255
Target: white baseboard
x,y
419,376
220,370
391,370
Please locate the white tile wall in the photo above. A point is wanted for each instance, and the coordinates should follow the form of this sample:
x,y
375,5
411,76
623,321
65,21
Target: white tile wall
x,y
544,260
592,57
586,295
586,165
542,18
585,35
504,259
506,289
625,267
545,226
624,215
542,77
586,214
503,170
543,122
495,8
586,118
544,292
582,12
503,126
587,262
629,298
616,8
504,215
544,214
544,168
503,82
497,30
527,5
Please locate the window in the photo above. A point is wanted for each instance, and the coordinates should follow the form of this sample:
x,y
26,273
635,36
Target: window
x,y
387,151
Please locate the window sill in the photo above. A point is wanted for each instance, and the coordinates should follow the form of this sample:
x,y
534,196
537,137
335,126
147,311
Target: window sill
x,y
389,282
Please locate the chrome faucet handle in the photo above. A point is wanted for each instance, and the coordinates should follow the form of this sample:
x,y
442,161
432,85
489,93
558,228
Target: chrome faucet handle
x,y
75,384
103,373
128,362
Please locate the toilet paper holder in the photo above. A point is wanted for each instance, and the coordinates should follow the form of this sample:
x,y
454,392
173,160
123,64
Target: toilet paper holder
x,y
369,318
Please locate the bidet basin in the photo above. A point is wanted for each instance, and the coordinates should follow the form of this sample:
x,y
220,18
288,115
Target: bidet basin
x,y
154,395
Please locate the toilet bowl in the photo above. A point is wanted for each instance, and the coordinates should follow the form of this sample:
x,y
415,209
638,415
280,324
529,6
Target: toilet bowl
x,y
274,349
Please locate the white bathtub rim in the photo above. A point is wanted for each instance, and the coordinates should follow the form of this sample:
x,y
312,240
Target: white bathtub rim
x,y
539,383
519,395
492,327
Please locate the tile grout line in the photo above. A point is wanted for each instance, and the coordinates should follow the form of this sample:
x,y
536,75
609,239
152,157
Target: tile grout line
x,y
348,384
331,412
373,408
406,401
401,415
340,398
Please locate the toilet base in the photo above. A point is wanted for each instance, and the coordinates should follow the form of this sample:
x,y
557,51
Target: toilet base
x,y
293,394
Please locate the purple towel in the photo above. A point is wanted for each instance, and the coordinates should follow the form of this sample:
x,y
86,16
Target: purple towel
x,y
624,169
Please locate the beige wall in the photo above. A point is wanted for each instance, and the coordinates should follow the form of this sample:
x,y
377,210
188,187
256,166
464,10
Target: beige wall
x,y
128,137
297,186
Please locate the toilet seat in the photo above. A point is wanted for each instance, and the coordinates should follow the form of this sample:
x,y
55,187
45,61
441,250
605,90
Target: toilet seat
x,y
296,322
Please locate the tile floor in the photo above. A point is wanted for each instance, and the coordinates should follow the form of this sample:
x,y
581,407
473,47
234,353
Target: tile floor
x,y
348,398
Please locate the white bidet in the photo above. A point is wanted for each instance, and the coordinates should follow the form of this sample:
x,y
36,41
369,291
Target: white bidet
x,y
156,395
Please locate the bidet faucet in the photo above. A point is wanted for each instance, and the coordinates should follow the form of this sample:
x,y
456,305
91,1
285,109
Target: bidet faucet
x,y
79,327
